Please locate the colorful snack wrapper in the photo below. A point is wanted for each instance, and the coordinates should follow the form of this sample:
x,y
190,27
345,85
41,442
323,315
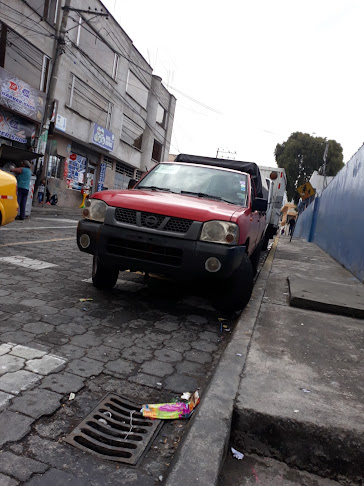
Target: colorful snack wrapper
x,y
171,411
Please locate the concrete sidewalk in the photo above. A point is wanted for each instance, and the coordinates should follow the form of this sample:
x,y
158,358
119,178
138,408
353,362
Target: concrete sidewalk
x,y
291,378
55,211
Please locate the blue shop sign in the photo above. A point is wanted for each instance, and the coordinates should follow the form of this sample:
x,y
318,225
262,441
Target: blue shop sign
x,y
103,138
100,185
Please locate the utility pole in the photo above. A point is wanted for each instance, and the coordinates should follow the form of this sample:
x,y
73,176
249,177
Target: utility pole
x,y
324,159
51,90
59,50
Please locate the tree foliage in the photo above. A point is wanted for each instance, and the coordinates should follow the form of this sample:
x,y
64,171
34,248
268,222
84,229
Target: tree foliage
x,y
301,154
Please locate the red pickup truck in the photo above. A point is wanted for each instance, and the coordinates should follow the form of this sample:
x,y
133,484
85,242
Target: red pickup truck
x,y
194,218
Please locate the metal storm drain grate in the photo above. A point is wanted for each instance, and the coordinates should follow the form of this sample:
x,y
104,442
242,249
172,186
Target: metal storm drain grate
x,y
115,430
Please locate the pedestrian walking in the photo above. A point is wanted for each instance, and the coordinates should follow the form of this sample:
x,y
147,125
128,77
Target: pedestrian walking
x,y
41,187
23,175
292,224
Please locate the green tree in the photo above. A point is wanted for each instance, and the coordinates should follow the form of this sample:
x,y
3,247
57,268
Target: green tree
x,y
301,154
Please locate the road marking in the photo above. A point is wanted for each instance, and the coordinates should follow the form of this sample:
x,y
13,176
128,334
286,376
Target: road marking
x,y
62,220
23,228
36,241
22,261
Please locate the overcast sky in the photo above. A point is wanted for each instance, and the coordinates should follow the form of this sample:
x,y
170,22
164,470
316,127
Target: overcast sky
x,y
258,70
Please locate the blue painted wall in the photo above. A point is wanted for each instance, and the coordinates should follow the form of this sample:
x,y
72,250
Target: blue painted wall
x,y
303,224
339,227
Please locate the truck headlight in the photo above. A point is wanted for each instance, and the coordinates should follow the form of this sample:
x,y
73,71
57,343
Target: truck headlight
x,y
220,232
95,210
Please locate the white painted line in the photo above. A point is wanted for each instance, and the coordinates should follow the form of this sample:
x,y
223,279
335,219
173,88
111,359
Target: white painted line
x,y
29,228
62,220
22,261
34,242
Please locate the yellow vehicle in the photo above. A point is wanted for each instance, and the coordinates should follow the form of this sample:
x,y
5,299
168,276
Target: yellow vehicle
x,y
8,199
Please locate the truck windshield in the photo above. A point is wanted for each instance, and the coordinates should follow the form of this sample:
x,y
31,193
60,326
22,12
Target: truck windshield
x,y
198,181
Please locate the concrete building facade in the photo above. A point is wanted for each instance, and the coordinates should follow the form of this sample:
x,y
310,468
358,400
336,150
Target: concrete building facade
x,y
109,118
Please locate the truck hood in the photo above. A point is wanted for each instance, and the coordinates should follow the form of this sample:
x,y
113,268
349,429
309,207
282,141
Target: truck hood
x,y
169,204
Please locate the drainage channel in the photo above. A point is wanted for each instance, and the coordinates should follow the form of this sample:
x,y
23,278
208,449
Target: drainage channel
x,y
115,430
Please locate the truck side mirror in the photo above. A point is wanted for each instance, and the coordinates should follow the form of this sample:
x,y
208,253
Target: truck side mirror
x,y
131,183
260,204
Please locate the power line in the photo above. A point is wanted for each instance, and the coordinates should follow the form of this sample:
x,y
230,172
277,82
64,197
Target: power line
x,y
112,91
142,70
20,24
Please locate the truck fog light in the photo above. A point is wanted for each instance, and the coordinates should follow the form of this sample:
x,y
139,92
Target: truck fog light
x,y
85,241
212,264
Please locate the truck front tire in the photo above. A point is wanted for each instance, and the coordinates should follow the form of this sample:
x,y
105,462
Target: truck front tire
x,y
103,278
234,293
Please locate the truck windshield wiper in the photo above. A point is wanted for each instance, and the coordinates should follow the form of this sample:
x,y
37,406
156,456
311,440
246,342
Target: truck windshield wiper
x,y
154,188
208,196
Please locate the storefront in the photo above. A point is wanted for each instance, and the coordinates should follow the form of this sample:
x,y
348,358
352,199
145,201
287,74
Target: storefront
x,y
21,113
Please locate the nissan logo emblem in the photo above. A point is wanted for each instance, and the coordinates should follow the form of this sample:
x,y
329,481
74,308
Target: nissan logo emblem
x,y
151,221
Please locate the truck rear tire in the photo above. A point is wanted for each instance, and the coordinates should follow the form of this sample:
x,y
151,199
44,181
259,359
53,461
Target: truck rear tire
x,y
234,293
265,243
103,278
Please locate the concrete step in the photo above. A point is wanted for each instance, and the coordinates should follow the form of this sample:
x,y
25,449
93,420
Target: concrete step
x,y
332,453
325,296
253,469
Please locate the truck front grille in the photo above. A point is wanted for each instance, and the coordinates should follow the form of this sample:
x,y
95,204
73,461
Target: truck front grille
x,y
160,222
145,251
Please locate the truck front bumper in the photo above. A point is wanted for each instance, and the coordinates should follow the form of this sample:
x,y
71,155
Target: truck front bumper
x,y
136,250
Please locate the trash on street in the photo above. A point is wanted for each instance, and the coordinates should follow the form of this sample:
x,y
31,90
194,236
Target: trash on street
x,y
237,454
171,411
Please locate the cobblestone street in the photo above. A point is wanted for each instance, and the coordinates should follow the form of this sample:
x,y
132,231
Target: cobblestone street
x,y
148,343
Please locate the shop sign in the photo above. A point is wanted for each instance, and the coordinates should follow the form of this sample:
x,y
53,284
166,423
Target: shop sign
x,y
102,137
16,128
76,169
61,123
19,96
100,184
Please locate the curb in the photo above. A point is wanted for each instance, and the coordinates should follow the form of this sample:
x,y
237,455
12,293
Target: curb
x,y
202,452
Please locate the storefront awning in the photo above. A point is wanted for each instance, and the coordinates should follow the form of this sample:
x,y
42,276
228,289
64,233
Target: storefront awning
x,y
12,154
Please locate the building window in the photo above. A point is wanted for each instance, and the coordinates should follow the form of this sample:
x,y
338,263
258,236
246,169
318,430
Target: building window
x,y
132,133
157,151
94,47
109,162
161,115
123,173
136,90
115,66
47,9
22,59
89,103
138,175
45,73
54,167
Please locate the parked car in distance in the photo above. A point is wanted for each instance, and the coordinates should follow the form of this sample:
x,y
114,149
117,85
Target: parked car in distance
x,y
8,198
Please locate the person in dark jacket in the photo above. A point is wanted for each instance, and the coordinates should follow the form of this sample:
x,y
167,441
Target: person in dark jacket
x,y
292,224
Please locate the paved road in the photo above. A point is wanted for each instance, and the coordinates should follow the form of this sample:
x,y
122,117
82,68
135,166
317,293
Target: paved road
x,y
146,343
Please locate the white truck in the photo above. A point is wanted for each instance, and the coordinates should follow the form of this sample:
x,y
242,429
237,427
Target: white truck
x,y
274,183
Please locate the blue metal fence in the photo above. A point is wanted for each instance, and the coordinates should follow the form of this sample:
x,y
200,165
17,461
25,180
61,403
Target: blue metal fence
x,y
335,221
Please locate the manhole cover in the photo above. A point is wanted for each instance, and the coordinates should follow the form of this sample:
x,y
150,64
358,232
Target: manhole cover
x,y
115,430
